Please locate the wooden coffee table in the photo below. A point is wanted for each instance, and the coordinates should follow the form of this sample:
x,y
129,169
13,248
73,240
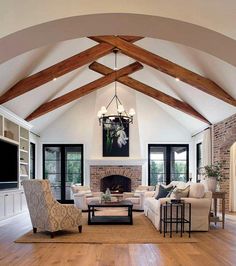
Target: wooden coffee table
x,y
110,219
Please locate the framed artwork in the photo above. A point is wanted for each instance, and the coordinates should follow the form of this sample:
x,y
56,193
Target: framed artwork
x,y
116,139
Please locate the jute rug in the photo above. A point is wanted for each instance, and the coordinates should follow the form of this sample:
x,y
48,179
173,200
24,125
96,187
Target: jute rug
x,y
142,231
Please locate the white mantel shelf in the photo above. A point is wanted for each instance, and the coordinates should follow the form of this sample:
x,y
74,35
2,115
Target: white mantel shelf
x,y
115,161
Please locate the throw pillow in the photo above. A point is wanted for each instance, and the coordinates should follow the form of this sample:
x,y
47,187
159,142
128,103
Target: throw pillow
x,y
164,192
179,193
197,190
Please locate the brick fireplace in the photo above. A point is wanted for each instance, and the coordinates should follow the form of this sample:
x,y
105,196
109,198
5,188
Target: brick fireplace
x,y
97,172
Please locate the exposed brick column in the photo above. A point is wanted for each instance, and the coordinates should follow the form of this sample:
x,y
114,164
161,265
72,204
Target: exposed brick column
x,y
224,136
97,172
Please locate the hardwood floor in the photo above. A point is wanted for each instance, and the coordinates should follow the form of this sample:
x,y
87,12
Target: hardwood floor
x,y
217,247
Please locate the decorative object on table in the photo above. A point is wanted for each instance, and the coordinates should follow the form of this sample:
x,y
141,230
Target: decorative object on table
x,y
176,201
106,197
212,174
115,125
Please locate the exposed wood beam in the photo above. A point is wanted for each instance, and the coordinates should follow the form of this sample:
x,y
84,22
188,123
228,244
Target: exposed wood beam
x,y
130,38
56,70
154,93
61,68
168,67
84,90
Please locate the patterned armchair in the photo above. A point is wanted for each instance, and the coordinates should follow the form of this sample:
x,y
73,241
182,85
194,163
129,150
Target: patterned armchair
x,y
45,212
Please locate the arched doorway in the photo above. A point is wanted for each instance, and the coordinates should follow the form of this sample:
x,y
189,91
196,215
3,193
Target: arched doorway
x,y
232,186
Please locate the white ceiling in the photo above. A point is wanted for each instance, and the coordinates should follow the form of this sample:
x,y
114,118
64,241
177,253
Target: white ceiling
x,y
204,64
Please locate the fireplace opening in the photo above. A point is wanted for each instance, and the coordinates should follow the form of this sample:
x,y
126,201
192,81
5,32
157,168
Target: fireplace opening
x,y
116,184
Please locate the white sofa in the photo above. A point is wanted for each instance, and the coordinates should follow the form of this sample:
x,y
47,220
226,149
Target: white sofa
x,y
200,209
83,195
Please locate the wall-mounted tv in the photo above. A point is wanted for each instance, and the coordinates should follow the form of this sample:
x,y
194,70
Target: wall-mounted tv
x,y
8,165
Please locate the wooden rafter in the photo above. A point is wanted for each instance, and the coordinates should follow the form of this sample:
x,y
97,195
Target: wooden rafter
x,y
168,67
154,93
84,90
61,68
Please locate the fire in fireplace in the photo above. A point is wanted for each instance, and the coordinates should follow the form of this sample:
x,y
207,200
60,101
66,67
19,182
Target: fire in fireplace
x,y
116,184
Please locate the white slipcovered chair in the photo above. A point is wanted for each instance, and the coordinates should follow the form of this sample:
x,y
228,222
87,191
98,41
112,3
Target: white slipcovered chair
x,y
83,195
45,212
137,197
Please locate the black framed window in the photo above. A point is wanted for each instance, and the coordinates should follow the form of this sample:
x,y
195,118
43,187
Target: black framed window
x,y
63,166
32,160
199,159
168,162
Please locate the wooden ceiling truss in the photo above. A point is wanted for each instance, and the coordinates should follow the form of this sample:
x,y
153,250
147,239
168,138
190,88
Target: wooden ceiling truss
x,y
106,45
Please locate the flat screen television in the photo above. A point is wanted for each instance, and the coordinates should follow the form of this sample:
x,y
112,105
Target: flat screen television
x,y
8,165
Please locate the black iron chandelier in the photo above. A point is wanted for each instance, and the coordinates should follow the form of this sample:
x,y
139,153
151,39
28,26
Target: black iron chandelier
x,y
121,117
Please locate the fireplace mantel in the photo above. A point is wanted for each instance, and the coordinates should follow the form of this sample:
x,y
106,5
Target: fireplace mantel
x,y
116,161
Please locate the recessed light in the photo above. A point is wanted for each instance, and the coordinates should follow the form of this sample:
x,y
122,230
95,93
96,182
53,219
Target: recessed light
x,y
54,79
177,79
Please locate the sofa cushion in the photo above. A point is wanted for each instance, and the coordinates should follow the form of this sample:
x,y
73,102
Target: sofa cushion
x,y
164,192
197,190
178,193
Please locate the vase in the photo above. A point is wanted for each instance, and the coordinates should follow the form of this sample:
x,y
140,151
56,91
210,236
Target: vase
x,y
211,183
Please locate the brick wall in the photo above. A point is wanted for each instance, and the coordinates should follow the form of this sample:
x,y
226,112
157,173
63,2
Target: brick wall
x,y
97,172
224,135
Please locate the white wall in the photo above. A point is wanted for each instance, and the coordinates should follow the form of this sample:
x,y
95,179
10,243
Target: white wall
x,y
80,125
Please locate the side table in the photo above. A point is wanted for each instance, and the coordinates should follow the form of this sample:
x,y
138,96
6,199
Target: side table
x,y
174,213
218,195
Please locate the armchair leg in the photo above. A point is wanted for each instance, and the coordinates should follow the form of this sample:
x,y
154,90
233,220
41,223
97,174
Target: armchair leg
x,y
34,230
52,234
80,228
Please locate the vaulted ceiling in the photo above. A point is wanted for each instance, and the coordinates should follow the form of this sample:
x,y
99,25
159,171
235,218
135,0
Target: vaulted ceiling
x,y
43,83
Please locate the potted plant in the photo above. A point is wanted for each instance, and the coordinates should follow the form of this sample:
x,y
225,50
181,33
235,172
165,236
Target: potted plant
x,y
213,174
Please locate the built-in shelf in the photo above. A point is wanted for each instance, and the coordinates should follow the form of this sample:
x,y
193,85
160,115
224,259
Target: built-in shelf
x,y
9,140
24,151
24,175
22,138
23,163
14,130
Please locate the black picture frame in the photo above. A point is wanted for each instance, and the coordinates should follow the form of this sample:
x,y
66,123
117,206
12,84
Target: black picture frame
x,y
116,139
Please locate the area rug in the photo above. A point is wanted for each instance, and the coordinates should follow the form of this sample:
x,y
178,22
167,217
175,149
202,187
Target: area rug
x,y
142,231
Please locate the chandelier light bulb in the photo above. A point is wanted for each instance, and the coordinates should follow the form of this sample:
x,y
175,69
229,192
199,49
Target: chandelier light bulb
x,y
131,112
103,110
120,109
99,114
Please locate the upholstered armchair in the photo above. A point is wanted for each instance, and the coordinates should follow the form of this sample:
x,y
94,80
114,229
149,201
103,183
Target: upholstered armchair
x,y
137,197
83,195
45,212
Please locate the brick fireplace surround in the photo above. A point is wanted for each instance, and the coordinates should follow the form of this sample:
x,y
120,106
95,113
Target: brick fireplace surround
x,y
97,172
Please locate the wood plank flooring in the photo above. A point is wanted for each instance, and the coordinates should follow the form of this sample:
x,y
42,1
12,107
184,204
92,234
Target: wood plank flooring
x,y
217,247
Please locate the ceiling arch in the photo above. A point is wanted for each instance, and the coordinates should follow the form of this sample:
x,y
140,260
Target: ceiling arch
x,y
169,29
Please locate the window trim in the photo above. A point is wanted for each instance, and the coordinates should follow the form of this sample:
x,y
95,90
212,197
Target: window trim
x,y
197,160
168,154
33,145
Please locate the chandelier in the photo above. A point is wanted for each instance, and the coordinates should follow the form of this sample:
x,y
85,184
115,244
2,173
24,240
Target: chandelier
x,y
121,117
